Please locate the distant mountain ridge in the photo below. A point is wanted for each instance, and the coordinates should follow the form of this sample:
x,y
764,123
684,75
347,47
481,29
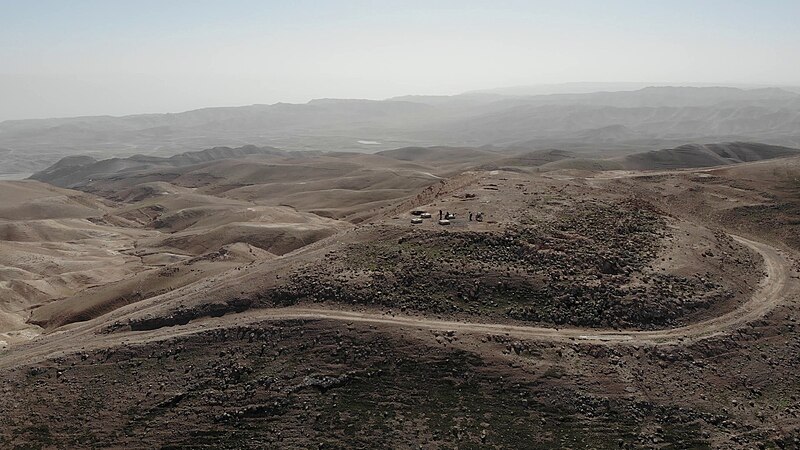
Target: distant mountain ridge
x,y
650,118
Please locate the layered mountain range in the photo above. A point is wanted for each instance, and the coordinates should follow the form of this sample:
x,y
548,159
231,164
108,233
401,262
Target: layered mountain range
x,y
614,123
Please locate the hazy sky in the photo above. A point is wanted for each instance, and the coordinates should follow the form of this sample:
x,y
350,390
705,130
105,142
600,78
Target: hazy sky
x,y
75,57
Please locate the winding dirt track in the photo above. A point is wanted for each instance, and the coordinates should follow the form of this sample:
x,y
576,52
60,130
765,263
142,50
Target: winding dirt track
x,y
775,287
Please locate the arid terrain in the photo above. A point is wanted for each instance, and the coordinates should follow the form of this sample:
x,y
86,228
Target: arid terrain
x,y
618,123
257,297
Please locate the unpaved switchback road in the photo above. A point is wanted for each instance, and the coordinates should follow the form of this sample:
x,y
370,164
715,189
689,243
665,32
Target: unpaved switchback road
x,y
777,285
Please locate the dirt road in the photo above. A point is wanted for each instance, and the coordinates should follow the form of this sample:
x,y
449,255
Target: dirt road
x,y
776,286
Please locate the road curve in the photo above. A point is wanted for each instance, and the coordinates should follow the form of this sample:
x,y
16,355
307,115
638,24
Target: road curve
x,y
776,285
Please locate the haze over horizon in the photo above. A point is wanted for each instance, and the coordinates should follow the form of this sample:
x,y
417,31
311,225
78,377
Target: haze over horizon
x,y
324,224
117,58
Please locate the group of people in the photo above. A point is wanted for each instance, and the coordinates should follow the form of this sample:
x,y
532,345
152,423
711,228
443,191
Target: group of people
x,y
447,215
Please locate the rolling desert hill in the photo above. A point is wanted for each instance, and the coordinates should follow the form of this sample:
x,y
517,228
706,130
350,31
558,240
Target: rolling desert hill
x,y
236,296
335,185
439,155
143,226
536,158
683,157
24,200
696,155
170,211
72,171
50,248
